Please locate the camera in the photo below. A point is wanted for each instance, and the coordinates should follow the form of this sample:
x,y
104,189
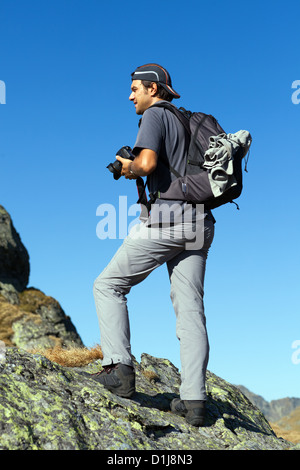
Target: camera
x,y
116,167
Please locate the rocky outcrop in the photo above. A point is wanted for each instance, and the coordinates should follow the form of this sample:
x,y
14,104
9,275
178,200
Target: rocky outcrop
x,y
14,266
44,406
29,319
36,321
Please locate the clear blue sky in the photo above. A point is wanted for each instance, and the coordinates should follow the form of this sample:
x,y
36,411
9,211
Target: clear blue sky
x,y
66,65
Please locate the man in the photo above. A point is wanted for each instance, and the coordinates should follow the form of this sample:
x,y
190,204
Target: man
x,y
161,138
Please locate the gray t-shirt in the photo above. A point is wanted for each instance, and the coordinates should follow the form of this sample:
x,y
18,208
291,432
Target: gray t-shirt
x,y
162,132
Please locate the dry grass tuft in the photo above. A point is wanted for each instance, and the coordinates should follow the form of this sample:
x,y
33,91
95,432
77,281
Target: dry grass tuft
x,y
151,376
8,315
32,299
71,357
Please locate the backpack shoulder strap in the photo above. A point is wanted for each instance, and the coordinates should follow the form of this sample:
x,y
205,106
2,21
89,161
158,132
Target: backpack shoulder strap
x,y
182,118
184,121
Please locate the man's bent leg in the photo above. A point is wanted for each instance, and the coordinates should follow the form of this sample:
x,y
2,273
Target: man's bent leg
x,y
134,261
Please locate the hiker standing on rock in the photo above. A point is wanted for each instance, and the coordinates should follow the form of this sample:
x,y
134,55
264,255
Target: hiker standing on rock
x,y
164,236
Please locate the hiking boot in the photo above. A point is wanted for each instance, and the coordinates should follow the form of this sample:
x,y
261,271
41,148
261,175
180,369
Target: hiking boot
x,y
117,378
192,410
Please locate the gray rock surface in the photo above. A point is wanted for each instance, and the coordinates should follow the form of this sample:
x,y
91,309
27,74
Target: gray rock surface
x,y
44,406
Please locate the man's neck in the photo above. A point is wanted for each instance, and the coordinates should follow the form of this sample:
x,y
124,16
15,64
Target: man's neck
x,y
155,100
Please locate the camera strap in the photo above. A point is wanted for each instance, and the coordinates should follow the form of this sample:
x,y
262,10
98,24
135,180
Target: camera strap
x,y
143,200
141,188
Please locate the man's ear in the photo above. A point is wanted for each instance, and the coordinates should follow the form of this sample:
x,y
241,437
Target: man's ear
x,y
153,89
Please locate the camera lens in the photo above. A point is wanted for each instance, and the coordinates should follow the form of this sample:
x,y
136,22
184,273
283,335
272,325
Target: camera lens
x,y
115,168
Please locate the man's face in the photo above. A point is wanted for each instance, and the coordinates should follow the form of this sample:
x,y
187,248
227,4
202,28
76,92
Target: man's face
x,y
141,96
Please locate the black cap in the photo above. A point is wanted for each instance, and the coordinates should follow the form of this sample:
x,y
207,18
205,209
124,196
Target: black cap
x,y
155,73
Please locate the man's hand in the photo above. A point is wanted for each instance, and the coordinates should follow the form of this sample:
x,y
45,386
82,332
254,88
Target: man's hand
x,y
143,164
126,164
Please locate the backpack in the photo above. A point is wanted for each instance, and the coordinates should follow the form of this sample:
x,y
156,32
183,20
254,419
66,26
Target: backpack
x,y
213,174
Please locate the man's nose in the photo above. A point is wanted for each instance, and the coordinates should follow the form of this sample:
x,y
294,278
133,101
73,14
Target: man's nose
x,y
131,96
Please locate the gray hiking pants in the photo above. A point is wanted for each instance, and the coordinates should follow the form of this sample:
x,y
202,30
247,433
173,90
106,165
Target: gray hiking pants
x,y
144,249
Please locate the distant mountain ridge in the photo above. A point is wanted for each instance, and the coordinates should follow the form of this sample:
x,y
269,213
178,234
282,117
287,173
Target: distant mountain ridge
x,y
275,409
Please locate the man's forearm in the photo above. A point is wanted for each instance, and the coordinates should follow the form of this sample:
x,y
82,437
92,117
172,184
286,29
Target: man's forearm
x,y
145,163
136,170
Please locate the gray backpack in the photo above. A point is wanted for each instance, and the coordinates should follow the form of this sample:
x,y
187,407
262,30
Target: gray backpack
x,y
213,174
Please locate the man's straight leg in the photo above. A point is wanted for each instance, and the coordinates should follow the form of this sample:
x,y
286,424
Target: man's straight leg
x,y
187,272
